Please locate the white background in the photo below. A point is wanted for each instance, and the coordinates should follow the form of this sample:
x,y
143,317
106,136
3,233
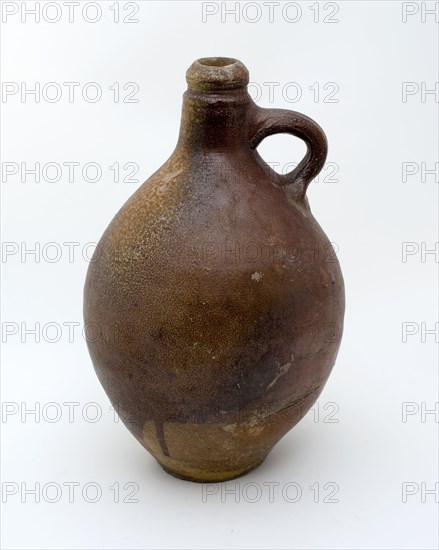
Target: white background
x,y
372,451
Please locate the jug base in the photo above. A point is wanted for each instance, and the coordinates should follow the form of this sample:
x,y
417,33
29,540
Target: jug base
x,y
202,476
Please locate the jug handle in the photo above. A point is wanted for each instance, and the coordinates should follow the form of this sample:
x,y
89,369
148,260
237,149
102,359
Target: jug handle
x,y
266,122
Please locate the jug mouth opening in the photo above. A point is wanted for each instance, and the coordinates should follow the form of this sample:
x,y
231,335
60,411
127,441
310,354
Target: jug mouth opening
x,y
216,74
216,61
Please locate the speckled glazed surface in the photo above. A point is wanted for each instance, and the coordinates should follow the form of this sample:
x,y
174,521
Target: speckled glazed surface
x,y
218,298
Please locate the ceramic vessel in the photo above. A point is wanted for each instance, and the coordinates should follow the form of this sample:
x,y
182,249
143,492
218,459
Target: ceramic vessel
x,y
217,295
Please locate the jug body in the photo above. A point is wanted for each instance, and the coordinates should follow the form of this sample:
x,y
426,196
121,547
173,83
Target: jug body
x,y
217,295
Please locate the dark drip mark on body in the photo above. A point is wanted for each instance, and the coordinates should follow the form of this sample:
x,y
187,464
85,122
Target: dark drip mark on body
x,y
160,432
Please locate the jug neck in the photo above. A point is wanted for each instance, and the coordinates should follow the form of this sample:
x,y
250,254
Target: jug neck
x,y
215,105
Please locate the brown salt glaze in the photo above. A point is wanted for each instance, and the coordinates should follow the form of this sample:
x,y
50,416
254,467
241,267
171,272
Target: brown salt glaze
x,y
217,296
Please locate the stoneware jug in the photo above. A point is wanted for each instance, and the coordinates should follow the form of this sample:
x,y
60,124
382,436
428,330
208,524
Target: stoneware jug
x,y
217,296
